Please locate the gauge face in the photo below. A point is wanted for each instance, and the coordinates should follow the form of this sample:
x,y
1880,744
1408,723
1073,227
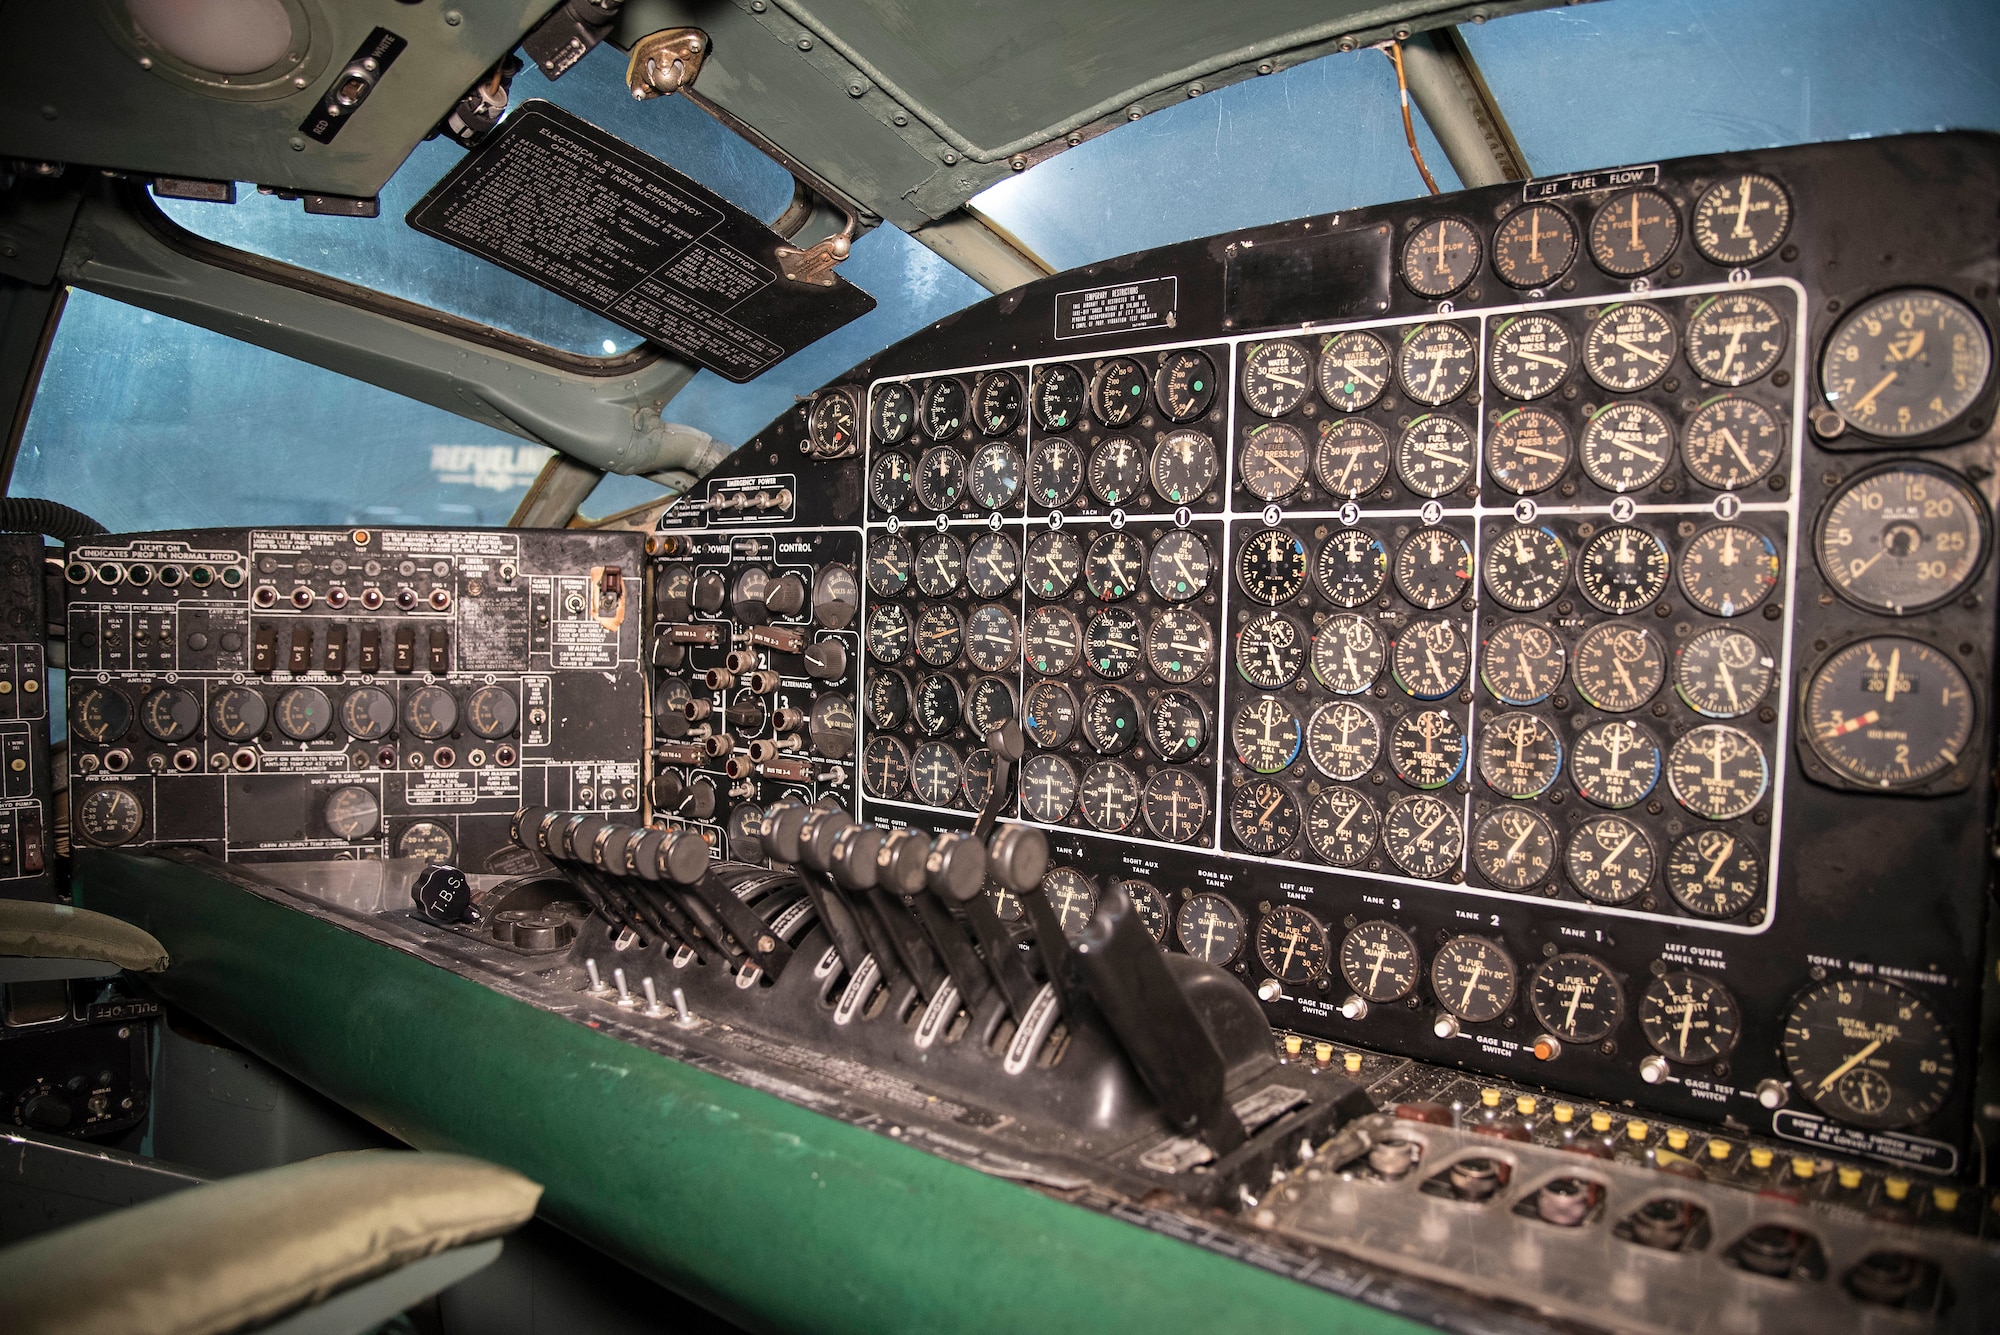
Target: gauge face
x,y
1118,393
1108,797
1729,569
1521,663
1519,756
1437,363
1514,847
992,564
1473,978
1179,646
1576,997
1717,771
1055,561
1274,460
940,477
1271,566
890,562
888,633
1352,567
1735,338
109,815
1889,712
1184,466
1055,473
940,636
1629,347
992,638
1348,655
430,712
988,703
1353,370
835,597
1435,456
831,422
367,713
1906,364
1430,659
1265,817
1741,219
1111,643
1534,247
1048,788
1527,451
1714,873
941,409
427,840
103,714
171,713
1292,945
1617,667
1627,446
1343,740
1149,904
1615,763
1427,749
1724,672
492,712
1902,540
1422,835
1353,457
888,702
885,767
1342,826
1380,962
1623,569
937,705
892,413
1609,860
1058,396
1112,720
1210,928
995,476
1276,376
1054,640
1266,735
1689,1019
1868,1053
1634,233
1270,650
940,564
1177,726
1048,714
1732,442
1184,386
1116,562
996,403
1433,567
1440,257
352,812
831,726
1530,356
1180,567
1175,805
934,774
1526,568
1117,470
1074,898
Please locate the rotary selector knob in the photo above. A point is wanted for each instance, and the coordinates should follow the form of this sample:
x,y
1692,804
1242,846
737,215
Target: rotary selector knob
x,y
786,596
826,659
698,801
46,1108
708,592
442,894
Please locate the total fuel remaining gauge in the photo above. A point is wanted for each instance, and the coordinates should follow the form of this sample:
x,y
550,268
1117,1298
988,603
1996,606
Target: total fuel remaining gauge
x,y
1869,1053
1903,539
1906,364
1889,712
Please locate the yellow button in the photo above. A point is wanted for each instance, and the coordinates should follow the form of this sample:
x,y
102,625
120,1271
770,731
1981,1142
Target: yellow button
x,y
1761,1157
1294,1045
1719,1149
1490,1097
1677,1139
1897,1188
1803,1168
1352,1061
1600,1121
17,764
1323,1053
1850,1178
31,686
6,688
1945,1198
1637,1130
1524,1104
1565,1114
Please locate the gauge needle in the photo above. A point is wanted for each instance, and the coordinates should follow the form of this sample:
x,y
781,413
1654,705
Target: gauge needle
x,y
1658,359
1889,688
1729,351
1647,455
1527,670
1635,222
1687,1022
1729,685
1714,872
1742,227
1478,971
1575,999
1380,953
1541,357
1618,666
1617,852
1284,380
1865,404
1515,850
1541,454
1362,376
1855,724
1729,439
1291,944
1849,1065
1352,812
1432,452
1424,835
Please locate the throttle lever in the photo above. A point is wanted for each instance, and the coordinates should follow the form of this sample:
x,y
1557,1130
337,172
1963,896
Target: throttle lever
x,y
957,872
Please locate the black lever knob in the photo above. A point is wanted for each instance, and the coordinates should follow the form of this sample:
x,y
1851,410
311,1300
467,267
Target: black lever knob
x,y
708,592
826,659
1006,741
668,653
956,868
442,894
1017,857
816,841
855,853
786,597
901,860
682,857
523,828
783,822
609,852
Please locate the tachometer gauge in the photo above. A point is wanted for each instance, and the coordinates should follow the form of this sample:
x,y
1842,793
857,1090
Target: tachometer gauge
x,y
940,477
1353,456
368,714
1113,568
1055,562
1353,370
890,563
1735,338
1276,376
492,712
1629,347
1074,898
1271,566
1048,714
1521,663
1437,363
1273,461
1179,646
1423,836
1531,356
1352,567
885,767
1724,672
1117,470
1270,650
170,713
994,478
1379,961
940,564
1519,755
1534,246
1054,640
1210,928
989,702
1048,788
941,408
1292,945
1111,645
1514,847
992,638
1118,391
1906,364
832,424
1718,771
1609,860
1627,445
940,635
1055,473
1180,567
1473,978
1714,873
1108,797
1433,567
888,633
996,403
1527,451
1741,219
992,564
1526,567
1427,749
1348,654
1058,396
1576,997
1177,726
1729,569
1889,712
1342,826
1266,735
1175,805
892,413
1440,257
1731,442
888,699
1634,233
430,712
1868,1053
937,705
935,774
1435,456
1265,817
1689,1019
890,480
1618,667
1184,466
1615,763
1430,659
830,726
1343,740
1112,720
1903,539
1184,386
1623,569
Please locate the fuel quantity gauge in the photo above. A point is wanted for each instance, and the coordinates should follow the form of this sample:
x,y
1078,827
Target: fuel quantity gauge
x,y
1380,962
1292,945
1210,928
1473,978
1689,1019
1576,997
1868,1053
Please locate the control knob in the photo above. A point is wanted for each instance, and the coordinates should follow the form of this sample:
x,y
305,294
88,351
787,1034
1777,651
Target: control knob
x,y
900,865
786,596
784,820
956,867
856,856
442,894
46,1108
1017,856
826,659
708,592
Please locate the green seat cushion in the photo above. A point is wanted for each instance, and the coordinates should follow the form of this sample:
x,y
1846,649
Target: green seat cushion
x,y
34,930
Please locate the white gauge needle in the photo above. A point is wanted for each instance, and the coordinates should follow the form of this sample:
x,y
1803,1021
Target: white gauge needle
x,y
1889,688
1658,359
1478,972
1849,1065
1865,404
1855,724
1729,439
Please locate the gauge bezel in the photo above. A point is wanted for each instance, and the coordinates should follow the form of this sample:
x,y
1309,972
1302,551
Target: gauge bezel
x,y
1952,477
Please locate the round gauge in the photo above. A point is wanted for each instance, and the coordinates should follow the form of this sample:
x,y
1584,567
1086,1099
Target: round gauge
x,y
1731,442
1530,356
1265,817
1006,904
1430,659
1735,338
1627,446
1210,928
352,812
1576,997
1519,755
427,840
1175,805
1629,347
1623,569
888,699
1689,1019
1352,567
1179,646
989,702
1435,456
1534,247
1741,219
1433,567
1341,826
1714,873
1271,566
934,774
1423,836
1618,667
995,476
670,697
1440,257
936,706
1521,663
235,714
992,564
1717,771
1889,712
1054,640
1514,847
940,564
171,713
1379,961
1527,451
1729,569
1526,568
1353,370
1048,788
941,409
1906,364
890,562
1074,898
830,726
1117,470
1724,672
1868,1053
940,636
1055,473
940,477
1184,466
1437,363
431,712
492,712
1353,456
1048,714
109,815
1149,904
1903,540
1292,945
977,783
888,633
1634,233
1184,386
1266,735
892,413
1058,396
1180,566
1270,650
1276,376
1614,763
835,597
996,403
104,714
1609,860
1274,460
1055,561
831,423
1114,566
367,713
1343,740
1112,720
1427,749
1118,392
992,638
1347,654
674,592
1473,978
1177,726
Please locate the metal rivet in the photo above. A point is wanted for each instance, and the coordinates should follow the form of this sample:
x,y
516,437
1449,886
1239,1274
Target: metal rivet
x,y
950,158
298,144
805,43
453,18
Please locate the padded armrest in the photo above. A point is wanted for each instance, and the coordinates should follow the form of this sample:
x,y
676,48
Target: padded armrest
x,y
33,930
247,1249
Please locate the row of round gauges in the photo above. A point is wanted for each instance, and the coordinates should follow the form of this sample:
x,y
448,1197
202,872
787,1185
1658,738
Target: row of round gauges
x,y
1117,564
104,714
1116,393
112,814
1108,795
1180,468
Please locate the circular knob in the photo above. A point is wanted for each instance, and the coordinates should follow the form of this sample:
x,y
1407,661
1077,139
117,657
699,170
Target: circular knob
x,y
698,802
786,597
708,592
1772,1094
1354,1008
525,826
1445,1026
1653,1070
816,841
442,894
611,852
1006,741
956,868
855,852
668,653
48,1109
826,659
666,788
683,856
746,602
783,822
902,859
1270,990
1547,1048
1017,856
